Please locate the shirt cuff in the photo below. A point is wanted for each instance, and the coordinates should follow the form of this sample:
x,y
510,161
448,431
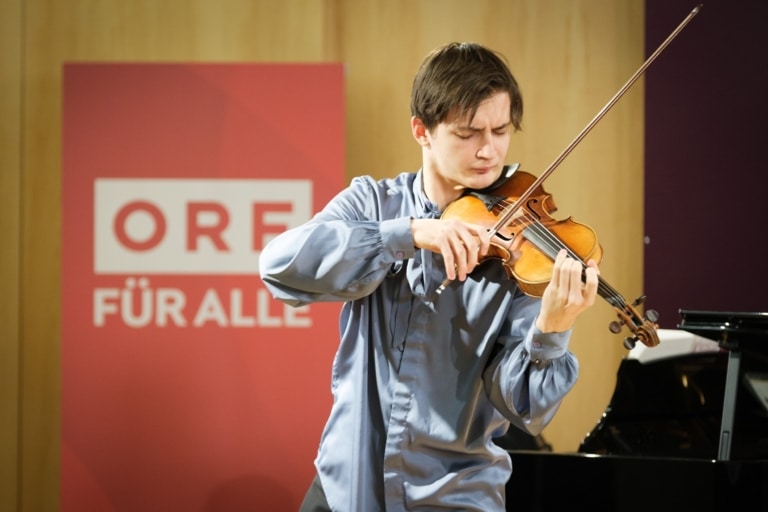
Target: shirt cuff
x,y
546,346
397,238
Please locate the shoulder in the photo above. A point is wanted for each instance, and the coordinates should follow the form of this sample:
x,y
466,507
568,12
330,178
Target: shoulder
x,y
382,198
401,183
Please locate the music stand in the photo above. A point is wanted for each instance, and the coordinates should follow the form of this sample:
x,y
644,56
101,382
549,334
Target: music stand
x,y
733,331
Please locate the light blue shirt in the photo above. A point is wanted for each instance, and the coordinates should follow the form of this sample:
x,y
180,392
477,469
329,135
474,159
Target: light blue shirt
x,y
422,381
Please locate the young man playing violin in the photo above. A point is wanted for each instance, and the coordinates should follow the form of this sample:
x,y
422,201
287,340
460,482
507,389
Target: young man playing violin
x,y
426,375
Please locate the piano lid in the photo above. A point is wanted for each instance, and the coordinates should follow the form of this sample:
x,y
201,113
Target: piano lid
x,y
731,329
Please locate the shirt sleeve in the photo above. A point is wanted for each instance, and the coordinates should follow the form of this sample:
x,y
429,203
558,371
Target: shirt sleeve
x,y
341,254
529,376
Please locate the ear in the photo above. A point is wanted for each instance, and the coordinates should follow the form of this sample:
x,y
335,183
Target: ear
x,y
419,131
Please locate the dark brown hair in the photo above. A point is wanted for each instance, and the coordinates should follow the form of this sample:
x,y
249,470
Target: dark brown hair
x,y
454,79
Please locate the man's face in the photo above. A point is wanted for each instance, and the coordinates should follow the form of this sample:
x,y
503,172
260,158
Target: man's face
x,y
470,153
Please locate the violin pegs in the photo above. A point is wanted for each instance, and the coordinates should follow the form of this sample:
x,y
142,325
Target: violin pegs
x,y
615,327
652,315
629,343
639,300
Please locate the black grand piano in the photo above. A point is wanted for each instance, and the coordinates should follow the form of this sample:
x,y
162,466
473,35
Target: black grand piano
x,y
681,432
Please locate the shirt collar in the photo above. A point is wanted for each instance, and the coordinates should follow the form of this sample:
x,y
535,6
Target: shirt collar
x,y
426,206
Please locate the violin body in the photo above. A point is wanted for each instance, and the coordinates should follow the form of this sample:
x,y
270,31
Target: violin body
x,y
523,260
533,269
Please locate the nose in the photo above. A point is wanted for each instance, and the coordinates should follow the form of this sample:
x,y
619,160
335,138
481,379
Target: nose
x,y
486,148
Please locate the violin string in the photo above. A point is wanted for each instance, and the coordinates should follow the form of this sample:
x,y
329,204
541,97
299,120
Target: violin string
x,y
554,244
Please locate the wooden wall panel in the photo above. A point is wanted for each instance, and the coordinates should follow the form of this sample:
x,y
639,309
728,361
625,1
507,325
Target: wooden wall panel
x,y
10,204
570,58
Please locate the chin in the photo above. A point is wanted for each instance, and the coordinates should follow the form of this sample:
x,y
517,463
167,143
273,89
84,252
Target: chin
x,y
482,181
477,180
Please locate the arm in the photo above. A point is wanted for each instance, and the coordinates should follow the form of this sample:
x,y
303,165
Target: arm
x,y
341,254
529,377
528,380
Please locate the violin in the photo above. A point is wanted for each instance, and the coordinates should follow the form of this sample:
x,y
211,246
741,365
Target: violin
x,y
517,211
535,237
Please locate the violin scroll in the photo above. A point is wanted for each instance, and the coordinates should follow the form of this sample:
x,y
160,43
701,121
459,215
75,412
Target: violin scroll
x,y
643,328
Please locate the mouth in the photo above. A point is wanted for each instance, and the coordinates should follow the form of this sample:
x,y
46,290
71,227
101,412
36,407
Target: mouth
x,y
485,169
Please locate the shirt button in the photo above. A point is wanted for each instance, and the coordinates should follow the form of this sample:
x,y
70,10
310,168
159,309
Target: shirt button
x,y
537,344
399,255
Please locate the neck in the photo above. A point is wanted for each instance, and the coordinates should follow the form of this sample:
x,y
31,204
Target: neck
x,y
438,190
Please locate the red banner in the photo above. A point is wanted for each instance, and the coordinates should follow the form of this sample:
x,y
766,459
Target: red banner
x,y
185,386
